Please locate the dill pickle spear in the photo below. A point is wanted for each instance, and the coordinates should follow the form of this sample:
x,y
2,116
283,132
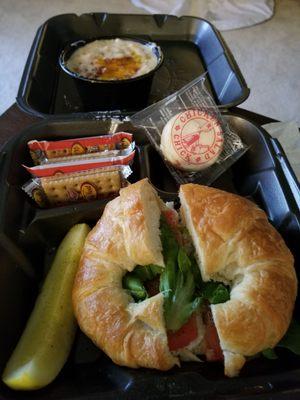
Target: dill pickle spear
x,y
48,336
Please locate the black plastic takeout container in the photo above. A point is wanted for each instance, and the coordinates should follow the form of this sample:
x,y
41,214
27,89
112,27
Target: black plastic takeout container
x,y
29,236
97,94
191,46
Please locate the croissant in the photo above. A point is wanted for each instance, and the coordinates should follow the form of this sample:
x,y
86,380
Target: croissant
x,y
132,334
233,242
236,244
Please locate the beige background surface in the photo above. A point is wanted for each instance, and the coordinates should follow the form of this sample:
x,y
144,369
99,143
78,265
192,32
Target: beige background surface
x,y
268,54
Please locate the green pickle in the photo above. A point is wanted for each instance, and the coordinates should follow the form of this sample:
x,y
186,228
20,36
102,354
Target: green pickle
x,y
48,336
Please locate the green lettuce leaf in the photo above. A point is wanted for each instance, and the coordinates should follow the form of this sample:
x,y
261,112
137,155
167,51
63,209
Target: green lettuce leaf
x,y
155,269
143,273
176,282
135,287
196,272
180,282
290,341
147,272
270,354
215,292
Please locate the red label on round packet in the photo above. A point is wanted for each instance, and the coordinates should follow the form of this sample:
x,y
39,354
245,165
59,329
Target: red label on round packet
x,y
197,137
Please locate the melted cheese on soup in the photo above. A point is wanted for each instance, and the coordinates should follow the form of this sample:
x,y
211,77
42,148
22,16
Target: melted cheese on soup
x,y
112,59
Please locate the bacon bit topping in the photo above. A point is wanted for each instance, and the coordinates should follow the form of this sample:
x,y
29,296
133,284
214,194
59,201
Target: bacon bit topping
x,y
117,68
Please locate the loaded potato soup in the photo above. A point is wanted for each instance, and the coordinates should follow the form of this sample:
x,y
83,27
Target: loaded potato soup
x,y
112,59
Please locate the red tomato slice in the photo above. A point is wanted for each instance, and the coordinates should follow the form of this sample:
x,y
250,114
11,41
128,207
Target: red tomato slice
x,y
184,336
171,217
213,351
173,220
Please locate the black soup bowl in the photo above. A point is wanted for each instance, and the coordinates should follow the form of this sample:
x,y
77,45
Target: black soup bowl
x,y
117,94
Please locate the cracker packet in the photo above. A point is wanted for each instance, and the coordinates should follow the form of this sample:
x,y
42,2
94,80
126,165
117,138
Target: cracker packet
x,y
114,145
71,166
189,132
75,187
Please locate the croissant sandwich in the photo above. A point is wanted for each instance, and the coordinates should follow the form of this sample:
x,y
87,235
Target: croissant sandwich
x,y
155,287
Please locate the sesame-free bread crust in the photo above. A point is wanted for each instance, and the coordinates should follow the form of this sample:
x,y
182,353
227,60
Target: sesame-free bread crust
x,y
236,244
131,334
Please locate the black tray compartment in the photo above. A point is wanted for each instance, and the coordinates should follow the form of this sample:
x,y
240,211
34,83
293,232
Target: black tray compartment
x,y
191,46
29,236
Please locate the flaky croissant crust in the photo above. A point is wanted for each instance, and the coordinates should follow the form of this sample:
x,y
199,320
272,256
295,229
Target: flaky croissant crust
x,y
237,245
131,334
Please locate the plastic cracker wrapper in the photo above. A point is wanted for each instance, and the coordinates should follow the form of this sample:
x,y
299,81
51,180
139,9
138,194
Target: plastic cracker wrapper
x,y
117,144
71,165
189,132
77,187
